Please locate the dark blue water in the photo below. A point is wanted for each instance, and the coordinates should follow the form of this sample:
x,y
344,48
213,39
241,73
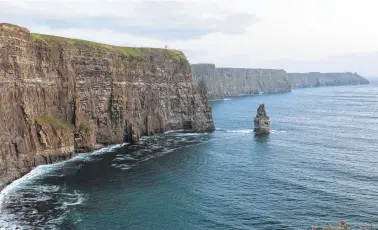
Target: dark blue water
x,y
319,165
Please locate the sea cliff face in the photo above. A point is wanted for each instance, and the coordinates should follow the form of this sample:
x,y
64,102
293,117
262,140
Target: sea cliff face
x,y
60,95
223,82
314,79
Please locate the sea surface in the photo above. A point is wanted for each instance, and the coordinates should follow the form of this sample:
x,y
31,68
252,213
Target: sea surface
x,y
319,165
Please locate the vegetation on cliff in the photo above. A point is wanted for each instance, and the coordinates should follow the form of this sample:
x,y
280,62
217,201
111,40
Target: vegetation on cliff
x,y
85,128
112,94
53,122
99,47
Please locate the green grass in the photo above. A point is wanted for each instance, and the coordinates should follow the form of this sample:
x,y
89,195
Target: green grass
x,y
53,122
176,54
99,47
85,128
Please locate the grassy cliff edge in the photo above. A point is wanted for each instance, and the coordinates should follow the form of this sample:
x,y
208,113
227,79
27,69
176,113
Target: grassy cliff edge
x,y
122,50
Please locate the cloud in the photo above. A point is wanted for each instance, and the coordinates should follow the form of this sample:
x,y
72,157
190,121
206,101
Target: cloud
x,y
296,35
161,20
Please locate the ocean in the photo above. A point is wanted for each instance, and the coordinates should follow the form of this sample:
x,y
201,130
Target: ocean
x,y
318,165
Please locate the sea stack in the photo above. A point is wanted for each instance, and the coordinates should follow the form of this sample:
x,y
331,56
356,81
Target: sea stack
x,y
261,121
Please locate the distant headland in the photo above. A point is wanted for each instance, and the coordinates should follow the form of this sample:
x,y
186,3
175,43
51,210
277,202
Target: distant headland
x,y
224,82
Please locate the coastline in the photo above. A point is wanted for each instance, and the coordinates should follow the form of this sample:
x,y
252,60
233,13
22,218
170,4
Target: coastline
x,y
99,147
10,179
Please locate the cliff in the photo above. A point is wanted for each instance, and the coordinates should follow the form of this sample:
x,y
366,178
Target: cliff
x,y
313,79
223,82
60,95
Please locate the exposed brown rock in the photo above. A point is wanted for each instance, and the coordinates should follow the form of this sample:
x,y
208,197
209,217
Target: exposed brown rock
x,y
58,94
261,121
225,82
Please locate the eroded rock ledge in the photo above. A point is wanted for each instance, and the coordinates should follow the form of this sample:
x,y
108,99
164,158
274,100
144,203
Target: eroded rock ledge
x,y
60,95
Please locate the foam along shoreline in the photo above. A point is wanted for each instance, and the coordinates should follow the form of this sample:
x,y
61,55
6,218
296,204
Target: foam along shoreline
x,y
18,192
72,115
81,156
30,181
32,173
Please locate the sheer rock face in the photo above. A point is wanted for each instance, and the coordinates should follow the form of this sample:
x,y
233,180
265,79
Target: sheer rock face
x,y
225,82
261,121
314,79
59,95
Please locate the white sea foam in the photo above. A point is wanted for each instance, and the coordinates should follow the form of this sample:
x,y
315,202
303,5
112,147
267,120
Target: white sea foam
x,y
123,157
188,134
277,131
19,190
248,131
78,198
222,99
241,131
15,190
174,131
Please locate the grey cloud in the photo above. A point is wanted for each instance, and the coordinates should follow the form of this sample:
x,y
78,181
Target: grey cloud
x,y
162,20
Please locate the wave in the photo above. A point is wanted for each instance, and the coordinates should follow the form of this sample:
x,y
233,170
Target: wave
x,y
157,146
41,195
246,131
240,131
188,134
174,131
28,203
222,99
277,131
31,190
235,131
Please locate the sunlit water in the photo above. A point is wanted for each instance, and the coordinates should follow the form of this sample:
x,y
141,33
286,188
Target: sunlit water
x,y
319,165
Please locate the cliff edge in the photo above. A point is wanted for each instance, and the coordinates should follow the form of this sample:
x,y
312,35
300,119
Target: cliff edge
x,y
224,82
61,95
315,79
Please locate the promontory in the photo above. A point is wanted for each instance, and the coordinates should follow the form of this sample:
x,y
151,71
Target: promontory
x,y
59,96
225,82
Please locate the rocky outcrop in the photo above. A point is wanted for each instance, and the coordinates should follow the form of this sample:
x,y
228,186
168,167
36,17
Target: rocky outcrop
x,y
58,95
261,121
314,79
224,82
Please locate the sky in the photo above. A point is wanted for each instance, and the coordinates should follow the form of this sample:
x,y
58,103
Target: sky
x,y
295,35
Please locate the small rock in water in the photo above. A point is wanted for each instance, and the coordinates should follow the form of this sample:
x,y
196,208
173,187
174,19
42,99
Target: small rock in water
x,y
261,120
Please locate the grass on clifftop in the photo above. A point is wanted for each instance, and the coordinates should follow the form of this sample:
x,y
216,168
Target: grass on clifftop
x,y
54,122
85,128
98,47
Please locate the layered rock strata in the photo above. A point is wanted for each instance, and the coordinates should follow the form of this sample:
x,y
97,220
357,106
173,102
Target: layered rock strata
x,y
314,79
224,82
60,95
261,121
